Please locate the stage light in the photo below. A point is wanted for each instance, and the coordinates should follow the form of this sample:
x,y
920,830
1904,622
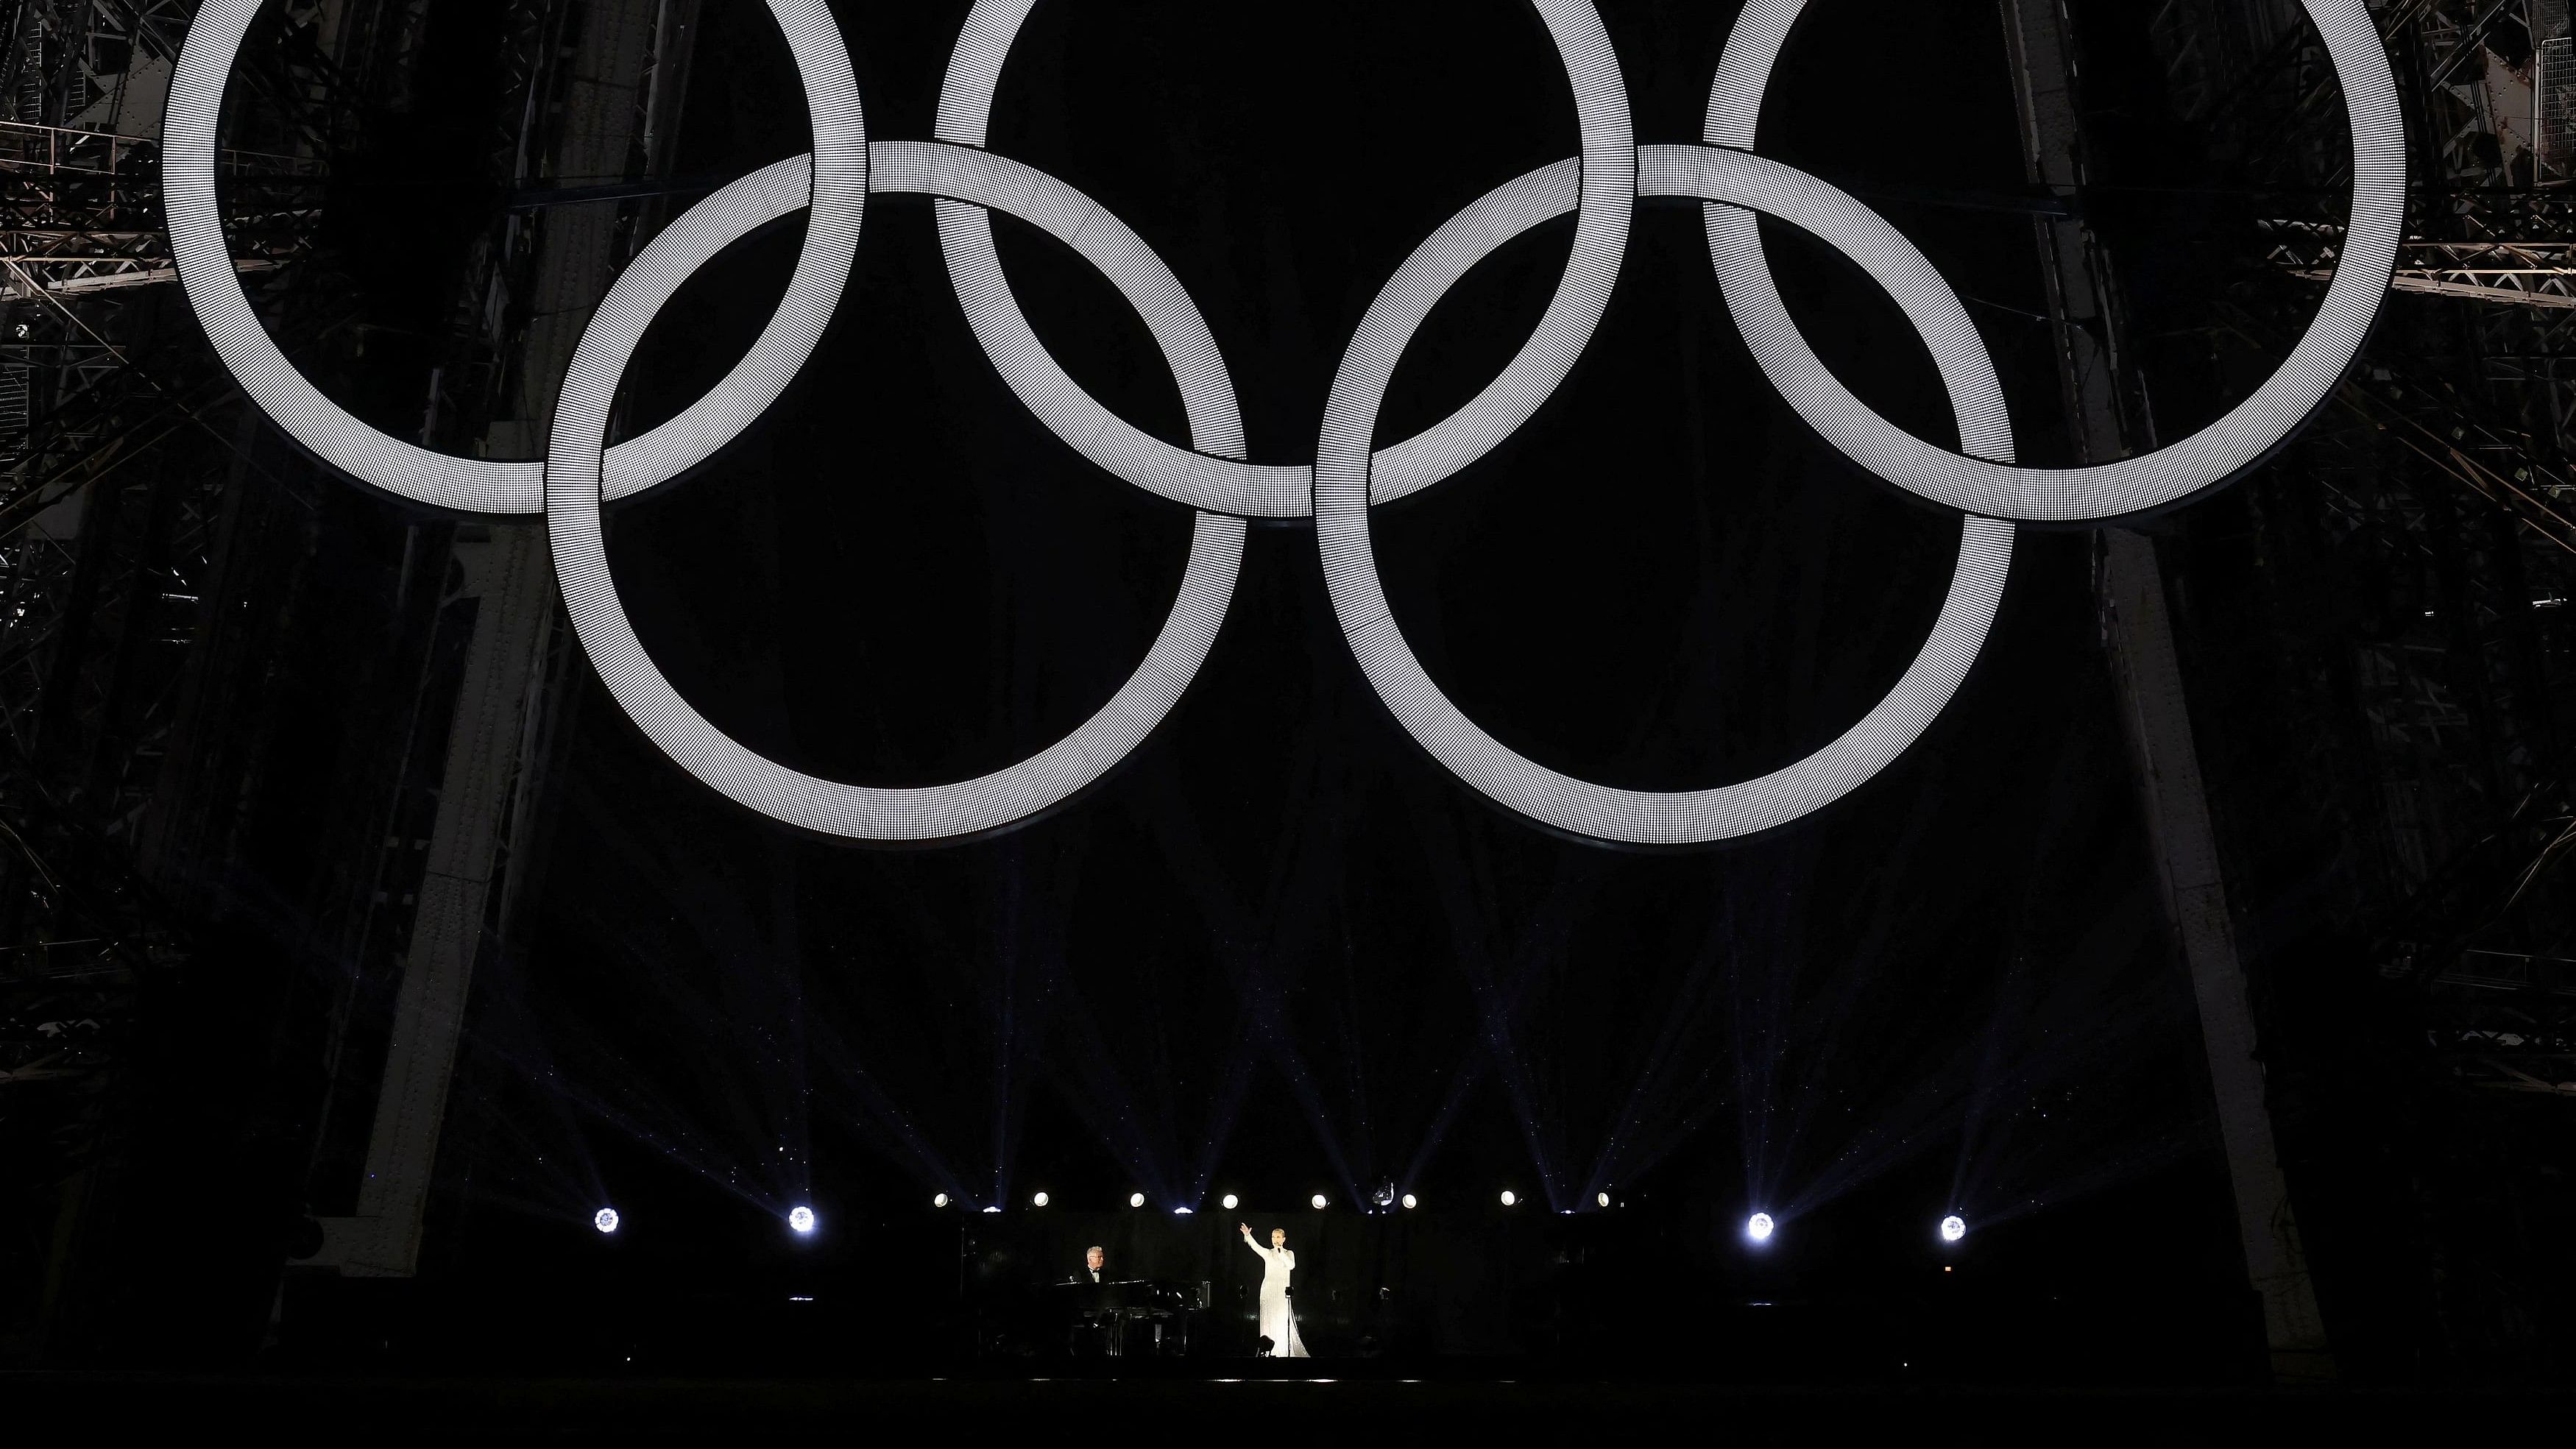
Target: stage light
x,y
605,1220
1409,1200
992,1209
1953,1228
939,1200
1038,1201
1758,1227
1135,1199
801,1218
1181,1212
1230,1201
1318,1201
1509,1197
1602,1198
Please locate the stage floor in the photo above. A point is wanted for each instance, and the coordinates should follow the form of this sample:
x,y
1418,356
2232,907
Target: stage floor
x,y
1238,1408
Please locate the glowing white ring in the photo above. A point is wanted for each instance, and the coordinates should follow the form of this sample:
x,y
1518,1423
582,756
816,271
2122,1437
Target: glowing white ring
x,y
1216,479
2204,460
573,498
1646,817
479,485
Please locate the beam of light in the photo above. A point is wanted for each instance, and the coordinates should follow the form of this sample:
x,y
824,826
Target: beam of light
x,y
1251,946
1672,1095
1502,984
1104,1100
891,1123
2062,1042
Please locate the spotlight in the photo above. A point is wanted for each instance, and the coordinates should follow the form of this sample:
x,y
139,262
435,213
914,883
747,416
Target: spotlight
x,y
605,1220
1135,1199
1318,1201
801,1218
1181,1212
992,1209
1410,1201
939,1200
1510,1197
1230,1201
1758,1227
1953,1228
1038,1201
1602,1198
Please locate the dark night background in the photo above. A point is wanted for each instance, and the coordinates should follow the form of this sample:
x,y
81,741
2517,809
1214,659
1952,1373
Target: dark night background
x,y
1279,951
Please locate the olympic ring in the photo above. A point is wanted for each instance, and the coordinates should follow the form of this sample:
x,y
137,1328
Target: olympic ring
x,y
2148,481
476,485
573,494
1638,816
1222,484
1600,186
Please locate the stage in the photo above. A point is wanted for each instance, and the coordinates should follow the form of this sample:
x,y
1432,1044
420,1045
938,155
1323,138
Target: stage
x,y
1331,1400
1644,1292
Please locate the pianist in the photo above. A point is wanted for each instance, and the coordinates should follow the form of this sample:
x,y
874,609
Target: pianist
x,y
1095,1267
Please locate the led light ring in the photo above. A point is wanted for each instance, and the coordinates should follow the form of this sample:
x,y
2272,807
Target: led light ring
x,y
477,485
1215,479
969,181
2148,481
572,503
1645,817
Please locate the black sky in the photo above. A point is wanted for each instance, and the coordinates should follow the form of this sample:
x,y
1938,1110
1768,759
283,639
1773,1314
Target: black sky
x,y
1280,949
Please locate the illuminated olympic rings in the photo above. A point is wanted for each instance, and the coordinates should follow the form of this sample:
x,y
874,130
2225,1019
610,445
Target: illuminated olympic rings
x,y
1600,186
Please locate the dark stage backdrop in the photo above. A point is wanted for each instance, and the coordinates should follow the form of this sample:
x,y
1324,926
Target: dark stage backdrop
x,y
1280,951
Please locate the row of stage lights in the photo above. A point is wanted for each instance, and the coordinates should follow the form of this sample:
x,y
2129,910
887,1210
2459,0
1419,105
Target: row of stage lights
x,y
800,1219
1757,1228
1230,1202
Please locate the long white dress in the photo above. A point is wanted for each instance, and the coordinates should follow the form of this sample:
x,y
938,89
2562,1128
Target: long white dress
x,y
1278,1321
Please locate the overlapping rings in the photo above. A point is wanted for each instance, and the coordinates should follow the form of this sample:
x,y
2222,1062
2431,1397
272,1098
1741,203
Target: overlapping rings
x,y
1600,186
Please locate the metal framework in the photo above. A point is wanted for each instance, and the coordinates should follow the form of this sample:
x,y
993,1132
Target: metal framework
x,y
119,447
2443,473
158,546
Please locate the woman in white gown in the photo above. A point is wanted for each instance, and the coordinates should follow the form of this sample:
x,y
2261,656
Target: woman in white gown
x,y
1278,1319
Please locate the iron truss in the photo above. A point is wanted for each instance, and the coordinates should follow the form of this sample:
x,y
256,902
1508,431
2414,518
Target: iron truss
x,y
2436,489
120,443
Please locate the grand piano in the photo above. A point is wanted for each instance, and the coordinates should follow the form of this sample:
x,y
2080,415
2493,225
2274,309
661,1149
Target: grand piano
x,y
1132,1315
